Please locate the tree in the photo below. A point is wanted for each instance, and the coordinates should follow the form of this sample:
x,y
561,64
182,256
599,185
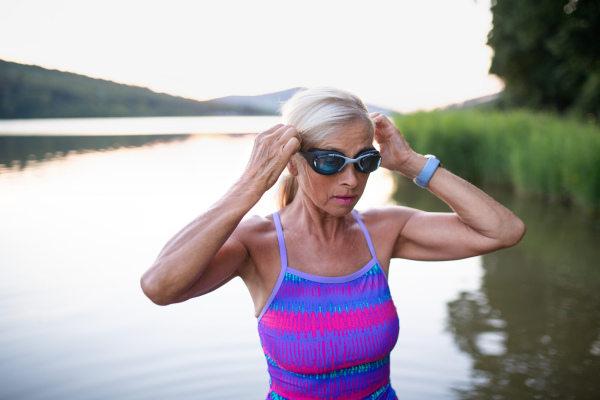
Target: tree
x,y
548,54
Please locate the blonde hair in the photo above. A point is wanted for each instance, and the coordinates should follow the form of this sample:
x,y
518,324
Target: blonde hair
x,y
316,114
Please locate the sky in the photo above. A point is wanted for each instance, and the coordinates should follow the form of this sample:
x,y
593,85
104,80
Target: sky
x,y
399,54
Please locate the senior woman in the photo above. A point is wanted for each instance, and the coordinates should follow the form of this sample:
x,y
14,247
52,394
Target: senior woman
x,y
317,269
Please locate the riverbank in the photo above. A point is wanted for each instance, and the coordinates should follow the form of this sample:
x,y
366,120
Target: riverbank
x,y
536,155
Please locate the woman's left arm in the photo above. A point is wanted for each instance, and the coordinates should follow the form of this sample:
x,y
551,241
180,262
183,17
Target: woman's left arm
x,y
478,225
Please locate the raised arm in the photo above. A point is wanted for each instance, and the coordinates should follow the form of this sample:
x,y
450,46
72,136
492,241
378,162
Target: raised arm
x,y
478,225
209,250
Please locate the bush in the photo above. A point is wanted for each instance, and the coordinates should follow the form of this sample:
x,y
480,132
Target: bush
x,y
535,154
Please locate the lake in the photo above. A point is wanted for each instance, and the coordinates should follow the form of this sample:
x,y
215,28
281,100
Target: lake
x,y
83,215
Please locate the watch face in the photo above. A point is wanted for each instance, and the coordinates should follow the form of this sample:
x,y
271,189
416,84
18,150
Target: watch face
x,y
434,157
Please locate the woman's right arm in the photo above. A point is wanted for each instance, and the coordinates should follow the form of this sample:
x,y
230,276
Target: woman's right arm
x,y
210,249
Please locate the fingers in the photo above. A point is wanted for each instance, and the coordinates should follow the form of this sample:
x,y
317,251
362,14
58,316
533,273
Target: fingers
x,y
291,147
280,135
281,141
271,152
290,133
378,118
279,131
272,129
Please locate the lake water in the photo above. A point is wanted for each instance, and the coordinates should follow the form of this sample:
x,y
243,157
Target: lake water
x,y
82,218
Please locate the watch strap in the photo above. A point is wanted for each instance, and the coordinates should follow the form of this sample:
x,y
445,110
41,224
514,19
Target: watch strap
x,y
427,171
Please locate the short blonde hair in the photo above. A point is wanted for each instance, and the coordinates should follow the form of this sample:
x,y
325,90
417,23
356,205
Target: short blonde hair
x,y
316,114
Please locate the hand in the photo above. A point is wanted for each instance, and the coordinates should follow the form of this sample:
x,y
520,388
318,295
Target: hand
x,y
272,150
396,154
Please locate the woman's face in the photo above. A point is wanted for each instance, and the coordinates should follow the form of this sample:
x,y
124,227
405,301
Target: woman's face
x,y
337,194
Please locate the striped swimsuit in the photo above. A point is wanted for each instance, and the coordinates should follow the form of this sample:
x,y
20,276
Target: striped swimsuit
x,y
329,337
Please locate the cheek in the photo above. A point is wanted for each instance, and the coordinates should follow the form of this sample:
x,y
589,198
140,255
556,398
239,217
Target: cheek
x,y
314,185
320,185
362,182
363,179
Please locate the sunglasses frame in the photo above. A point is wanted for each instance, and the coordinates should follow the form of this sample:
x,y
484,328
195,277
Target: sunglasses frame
x,y
312,155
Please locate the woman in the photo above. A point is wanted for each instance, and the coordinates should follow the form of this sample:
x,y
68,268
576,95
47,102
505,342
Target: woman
x,y
317,270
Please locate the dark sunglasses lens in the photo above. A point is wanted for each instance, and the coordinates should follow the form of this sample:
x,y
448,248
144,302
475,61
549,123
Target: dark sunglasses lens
x,y
329,164
369,163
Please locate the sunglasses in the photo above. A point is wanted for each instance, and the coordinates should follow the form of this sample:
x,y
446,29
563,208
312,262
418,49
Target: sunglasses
x,y
329,162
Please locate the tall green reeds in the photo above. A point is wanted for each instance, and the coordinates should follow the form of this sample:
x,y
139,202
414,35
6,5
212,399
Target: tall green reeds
x,y
535,154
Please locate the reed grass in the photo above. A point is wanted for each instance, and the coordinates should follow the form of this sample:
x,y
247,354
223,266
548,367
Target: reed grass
x,y
541,155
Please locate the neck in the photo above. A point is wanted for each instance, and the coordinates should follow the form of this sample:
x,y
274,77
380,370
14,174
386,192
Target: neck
x,y
314,220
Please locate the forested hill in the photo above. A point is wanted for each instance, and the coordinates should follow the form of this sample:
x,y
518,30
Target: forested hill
x,y
28,91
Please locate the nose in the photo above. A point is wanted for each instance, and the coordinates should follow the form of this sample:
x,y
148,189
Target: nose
x,y
348,176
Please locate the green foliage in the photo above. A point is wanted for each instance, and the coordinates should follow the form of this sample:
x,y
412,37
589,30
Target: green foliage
x,y
28,91
536,154
547,54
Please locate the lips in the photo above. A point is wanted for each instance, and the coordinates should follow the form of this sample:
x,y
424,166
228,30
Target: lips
x,y
344,199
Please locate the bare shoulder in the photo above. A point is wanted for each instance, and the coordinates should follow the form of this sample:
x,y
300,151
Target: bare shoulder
x,y
387,217
260,273
259,236
253,227
385,225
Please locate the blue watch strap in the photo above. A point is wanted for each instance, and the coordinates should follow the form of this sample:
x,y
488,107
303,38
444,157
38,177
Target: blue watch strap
x,y
427,171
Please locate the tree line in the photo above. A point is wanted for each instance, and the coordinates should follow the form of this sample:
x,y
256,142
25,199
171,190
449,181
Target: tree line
x,y
28,91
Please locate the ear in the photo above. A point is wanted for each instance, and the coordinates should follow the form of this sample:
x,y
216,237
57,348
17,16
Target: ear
x,y
292,167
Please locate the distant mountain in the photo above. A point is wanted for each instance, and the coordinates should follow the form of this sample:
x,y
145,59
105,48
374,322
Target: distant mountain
x,y
476,102
29,91
271,102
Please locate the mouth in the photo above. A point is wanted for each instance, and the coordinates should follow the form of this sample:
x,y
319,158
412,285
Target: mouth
x,y
344,199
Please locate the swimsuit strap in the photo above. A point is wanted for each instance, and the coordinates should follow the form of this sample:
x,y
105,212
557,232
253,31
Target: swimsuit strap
x,y
280,239
283,255
365,232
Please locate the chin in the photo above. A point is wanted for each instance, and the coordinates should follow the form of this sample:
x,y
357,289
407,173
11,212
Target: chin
x,y
340,210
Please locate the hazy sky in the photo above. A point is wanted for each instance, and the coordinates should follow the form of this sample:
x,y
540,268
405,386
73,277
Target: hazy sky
x,y
400,54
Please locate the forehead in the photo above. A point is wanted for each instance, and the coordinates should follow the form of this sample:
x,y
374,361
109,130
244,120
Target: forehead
x,y
349,139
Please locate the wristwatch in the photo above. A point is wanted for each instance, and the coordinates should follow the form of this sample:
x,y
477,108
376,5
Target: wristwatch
x,y
427,172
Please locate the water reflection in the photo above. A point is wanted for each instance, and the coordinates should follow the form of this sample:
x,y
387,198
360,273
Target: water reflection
x,y
18,151
533,328
78,232
24,140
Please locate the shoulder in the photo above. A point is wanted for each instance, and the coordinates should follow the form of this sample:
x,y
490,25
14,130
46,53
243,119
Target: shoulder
x,y
256,224
385,225
259,237
384,217
255,230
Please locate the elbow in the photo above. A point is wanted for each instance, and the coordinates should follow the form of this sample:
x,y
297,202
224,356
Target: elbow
x,y
153,291
515,233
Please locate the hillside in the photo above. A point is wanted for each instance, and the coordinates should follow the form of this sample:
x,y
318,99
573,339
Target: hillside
x,y
28,91
271,102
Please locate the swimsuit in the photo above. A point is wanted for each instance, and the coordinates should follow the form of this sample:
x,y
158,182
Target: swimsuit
x,y
329,337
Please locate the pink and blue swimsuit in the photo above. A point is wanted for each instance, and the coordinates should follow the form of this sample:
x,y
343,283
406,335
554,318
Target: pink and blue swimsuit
x,y
329,337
